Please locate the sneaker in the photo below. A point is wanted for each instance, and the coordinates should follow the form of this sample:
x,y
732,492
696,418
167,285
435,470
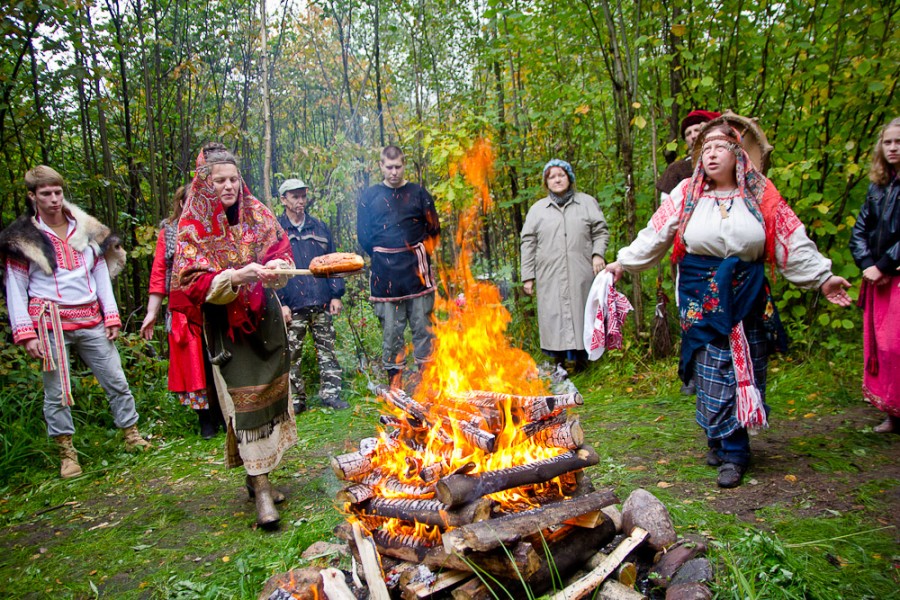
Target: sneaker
x,y
335,403
712,458
730,475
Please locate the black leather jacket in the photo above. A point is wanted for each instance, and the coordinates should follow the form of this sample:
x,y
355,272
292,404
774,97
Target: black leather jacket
x,y
875,239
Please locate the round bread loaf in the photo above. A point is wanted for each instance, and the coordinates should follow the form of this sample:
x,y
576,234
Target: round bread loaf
x,y
335,263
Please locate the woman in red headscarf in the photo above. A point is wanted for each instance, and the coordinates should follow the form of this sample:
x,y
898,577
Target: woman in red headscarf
x,y
727,223
228,245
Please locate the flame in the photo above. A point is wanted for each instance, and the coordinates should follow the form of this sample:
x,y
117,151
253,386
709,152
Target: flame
x,y
471,351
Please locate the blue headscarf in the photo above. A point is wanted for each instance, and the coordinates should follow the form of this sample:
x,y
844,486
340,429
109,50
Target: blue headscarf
x,y
556,162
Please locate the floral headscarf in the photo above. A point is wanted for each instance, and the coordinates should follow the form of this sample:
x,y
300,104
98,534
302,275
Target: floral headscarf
x,y
208,244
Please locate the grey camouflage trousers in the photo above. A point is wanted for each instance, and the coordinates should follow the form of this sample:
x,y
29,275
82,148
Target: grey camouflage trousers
x,y
318,322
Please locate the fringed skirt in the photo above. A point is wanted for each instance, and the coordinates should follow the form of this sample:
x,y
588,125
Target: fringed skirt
x,y
251,376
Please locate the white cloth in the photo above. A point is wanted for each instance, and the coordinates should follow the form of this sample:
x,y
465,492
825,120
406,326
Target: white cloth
x,y
604,313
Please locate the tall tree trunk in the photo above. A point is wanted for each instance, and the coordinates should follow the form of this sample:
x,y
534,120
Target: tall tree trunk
x,y
378,107
267,120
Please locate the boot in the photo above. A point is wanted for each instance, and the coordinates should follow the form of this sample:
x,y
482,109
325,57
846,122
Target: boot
x,y
266,515
395,378
277,496
69,466
208,426
134,441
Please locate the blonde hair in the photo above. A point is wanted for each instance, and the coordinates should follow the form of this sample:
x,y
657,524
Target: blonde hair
x,y
880,171
42,175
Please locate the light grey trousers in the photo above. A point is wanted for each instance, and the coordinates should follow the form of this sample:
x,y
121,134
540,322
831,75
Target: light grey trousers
x,y
394,317
102,357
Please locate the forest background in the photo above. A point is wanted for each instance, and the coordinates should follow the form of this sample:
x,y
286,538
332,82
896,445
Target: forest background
x,y
120,95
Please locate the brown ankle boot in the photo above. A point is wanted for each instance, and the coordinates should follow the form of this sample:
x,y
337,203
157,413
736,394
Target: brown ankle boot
x,y
134,441
69,466
277,496
266,514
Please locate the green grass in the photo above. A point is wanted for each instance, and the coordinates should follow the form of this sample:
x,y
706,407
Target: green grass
x,y
174,523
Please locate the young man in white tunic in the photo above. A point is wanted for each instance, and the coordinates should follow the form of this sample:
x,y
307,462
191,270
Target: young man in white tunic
x,y
59,294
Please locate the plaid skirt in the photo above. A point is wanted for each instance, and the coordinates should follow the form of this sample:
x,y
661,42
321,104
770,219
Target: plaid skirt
x,y
716,383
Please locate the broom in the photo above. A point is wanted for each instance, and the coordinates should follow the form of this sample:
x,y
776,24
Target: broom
x,y
660,334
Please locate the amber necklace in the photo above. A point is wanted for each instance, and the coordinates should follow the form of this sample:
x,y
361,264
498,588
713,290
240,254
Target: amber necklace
x,y
725,200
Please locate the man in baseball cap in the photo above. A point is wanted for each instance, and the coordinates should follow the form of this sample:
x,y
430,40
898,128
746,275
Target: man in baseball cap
x,y
308,302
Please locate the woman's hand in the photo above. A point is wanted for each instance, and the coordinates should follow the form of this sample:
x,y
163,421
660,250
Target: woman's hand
x,y
834,290
616,269
252,273
528,287
286,314
147,326
874,276
598,264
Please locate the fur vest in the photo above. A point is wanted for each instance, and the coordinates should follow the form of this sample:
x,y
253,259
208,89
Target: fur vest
x,y
24,240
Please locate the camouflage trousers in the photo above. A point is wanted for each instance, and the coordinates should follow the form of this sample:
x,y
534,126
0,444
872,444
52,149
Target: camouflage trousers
x,y
318,323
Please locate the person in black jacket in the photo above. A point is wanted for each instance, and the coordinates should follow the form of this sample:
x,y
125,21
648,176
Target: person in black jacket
x,y
875,245
397,225
308,302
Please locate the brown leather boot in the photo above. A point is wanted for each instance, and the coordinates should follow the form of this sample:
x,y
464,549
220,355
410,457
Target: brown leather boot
x,y
69,466
267,516
134,441
277,496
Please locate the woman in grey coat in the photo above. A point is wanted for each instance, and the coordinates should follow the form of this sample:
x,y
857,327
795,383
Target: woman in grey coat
x,y
563,242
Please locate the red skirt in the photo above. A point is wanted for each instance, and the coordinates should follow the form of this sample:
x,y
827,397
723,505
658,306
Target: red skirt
x,y
881,345
186,373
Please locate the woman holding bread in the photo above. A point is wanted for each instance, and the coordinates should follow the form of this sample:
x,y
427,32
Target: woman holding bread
x,y
228,249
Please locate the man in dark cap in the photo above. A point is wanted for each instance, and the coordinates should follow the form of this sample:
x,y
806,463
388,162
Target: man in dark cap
x,y
682,169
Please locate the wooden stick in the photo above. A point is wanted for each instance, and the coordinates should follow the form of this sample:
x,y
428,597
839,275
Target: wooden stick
x,y
371,565
568,435
356,494
454,490
444,580
352,465
486,535
586,584
334,585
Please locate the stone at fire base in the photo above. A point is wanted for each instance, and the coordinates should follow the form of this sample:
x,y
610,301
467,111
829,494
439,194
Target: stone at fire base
x,y
643,509
670,560
693,571
332,553
688,591
297,582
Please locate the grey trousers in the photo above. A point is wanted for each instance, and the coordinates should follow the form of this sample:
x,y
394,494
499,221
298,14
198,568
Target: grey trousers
x,y
102,357
394,317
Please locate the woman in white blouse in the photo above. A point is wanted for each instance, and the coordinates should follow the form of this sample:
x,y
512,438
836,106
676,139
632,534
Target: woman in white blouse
x,y
727,224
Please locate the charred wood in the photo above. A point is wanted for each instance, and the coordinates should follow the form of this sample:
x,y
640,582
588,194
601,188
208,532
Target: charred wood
x,y
457,489
429,512
356,493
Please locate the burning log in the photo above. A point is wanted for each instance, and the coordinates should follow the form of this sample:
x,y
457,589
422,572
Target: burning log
x,y
422,589
392,484
408,547
457,489
355,494
586,584
429,512
399,399
352,465
486,535
533,408
568,435
433,472
530,429
477,437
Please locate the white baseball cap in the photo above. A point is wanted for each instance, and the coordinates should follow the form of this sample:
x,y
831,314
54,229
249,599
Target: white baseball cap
x,y
291,184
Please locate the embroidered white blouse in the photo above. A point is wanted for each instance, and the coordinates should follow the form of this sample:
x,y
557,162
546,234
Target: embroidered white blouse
x,y
722,226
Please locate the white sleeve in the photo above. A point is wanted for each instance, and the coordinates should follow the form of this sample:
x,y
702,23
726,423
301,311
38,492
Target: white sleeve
x,y
654,240
804,265
17,301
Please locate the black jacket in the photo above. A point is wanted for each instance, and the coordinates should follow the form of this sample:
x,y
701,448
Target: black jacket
x,y
875,239
304,291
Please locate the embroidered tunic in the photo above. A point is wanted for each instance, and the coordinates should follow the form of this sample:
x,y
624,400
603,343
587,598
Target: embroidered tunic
x,y
739,234
80,286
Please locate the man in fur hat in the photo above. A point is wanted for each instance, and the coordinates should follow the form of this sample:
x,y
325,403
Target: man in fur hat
x,y
58,263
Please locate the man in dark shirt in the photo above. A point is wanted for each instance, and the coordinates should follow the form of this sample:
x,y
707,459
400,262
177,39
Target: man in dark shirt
x,y
680,170
309,302
397,225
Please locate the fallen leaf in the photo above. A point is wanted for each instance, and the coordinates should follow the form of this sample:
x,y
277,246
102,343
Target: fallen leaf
x,y
226,559
809,415
637,468
662,461
790,478
659,418
664,484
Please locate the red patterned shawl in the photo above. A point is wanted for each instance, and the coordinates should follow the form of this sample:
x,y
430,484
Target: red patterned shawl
x,y
207,244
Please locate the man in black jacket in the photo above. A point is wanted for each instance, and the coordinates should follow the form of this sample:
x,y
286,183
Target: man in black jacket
x,y
308,302
398,226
